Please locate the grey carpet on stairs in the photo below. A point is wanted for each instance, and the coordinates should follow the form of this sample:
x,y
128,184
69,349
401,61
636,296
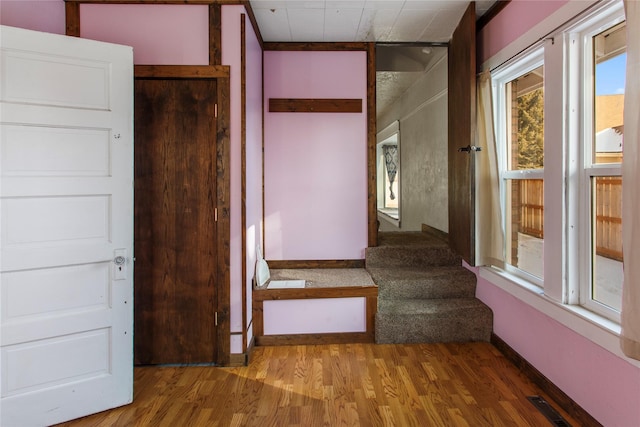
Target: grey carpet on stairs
x,y
424,293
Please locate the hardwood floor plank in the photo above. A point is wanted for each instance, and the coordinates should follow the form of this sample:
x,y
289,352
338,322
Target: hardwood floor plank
x,y
342,384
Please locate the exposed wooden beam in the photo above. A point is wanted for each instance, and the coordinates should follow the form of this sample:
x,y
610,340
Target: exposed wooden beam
x,y
315,46
320,105
181,71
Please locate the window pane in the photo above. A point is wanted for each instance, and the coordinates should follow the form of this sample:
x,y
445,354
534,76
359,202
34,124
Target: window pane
x,y
525,230
607,244
391,175
609,57
526,110
391,194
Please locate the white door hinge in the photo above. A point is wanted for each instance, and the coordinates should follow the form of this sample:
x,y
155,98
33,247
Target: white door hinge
x,y
215,318
215,215
215,110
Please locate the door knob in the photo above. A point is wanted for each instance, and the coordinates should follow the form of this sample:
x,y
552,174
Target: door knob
x,y
470,148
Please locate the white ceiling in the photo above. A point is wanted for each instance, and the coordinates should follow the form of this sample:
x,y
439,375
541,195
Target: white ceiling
x,y
385,21
360,20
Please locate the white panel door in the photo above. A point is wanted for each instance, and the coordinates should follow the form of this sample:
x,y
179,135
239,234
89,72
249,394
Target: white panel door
x,y
66,227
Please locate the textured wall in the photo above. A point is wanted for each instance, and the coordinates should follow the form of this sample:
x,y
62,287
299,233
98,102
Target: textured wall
x,y
422,112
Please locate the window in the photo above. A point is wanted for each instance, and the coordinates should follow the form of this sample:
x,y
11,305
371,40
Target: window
x,y
559,134
604,42
521,141
388,173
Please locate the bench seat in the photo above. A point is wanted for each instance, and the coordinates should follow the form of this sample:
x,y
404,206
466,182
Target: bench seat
x,y
337,305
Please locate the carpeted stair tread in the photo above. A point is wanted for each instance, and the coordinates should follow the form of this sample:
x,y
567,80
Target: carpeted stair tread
x,y
418,282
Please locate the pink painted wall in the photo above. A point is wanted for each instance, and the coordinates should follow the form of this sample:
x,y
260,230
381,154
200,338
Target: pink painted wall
x,y
159,34
37,15
315,163
163,34
315,316
605,385
254,225
600,382
514,21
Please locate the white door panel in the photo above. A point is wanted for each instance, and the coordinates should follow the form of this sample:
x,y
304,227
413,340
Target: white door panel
x,y
39,151
66,210
81,83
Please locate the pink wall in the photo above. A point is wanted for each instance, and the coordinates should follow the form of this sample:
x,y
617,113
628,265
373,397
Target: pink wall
x,y
605,385
38,15
315,316
315,163
254,225
163,34
515,20
600,382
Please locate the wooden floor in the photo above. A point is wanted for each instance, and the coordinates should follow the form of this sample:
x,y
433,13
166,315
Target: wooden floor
x,y
337,385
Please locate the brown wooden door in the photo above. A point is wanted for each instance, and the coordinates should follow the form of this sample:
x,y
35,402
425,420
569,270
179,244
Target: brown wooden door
x,y
462,126
175,228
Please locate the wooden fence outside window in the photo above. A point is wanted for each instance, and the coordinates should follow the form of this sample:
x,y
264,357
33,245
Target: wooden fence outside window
x,y
607,206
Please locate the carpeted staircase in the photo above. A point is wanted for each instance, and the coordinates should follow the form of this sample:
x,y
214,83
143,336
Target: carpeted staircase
x,y
424,293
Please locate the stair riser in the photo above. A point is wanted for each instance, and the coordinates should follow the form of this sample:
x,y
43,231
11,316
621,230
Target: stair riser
x,y
389,256
426,292
436,289
393,329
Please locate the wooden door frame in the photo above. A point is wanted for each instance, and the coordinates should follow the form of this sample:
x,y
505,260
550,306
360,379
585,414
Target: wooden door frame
x,y
462,116
223,187
223,159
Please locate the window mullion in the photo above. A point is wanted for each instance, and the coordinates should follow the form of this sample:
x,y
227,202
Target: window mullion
x,y
554,155
575,135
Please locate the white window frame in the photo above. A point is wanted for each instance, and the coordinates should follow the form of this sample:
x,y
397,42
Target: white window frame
x,y
580,51
528,61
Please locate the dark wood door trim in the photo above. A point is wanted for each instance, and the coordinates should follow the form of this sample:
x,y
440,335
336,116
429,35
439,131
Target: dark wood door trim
x,y
243,174
215,34
461,133
223,330
372,193
223,190
72,18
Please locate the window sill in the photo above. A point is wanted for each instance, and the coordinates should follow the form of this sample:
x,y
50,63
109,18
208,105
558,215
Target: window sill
x,y
588,324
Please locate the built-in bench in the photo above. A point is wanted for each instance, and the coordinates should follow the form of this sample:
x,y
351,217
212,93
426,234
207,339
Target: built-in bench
x,y
337,305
